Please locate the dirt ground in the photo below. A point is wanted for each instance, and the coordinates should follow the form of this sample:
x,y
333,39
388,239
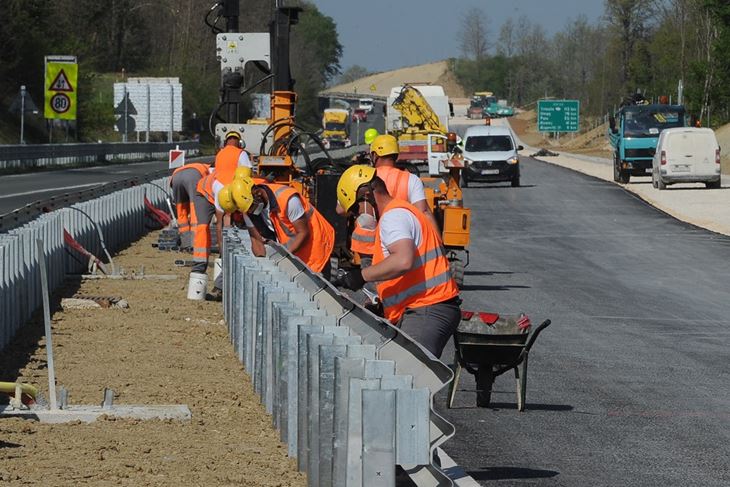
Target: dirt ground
x,y
164,349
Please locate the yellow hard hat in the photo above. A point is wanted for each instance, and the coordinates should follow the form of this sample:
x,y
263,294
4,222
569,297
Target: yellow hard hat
x,y
225,199
242,172
370,135
350,181
241,192
233,133
384,145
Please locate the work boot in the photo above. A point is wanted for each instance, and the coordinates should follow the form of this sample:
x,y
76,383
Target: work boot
x,y
215,294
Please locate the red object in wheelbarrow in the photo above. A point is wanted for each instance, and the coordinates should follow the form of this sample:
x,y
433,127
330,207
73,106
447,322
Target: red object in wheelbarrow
x,y
488,345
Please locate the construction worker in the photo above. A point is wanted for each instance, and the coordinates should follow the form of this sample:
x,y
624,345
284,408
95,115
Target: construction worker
x,y
277,212
412,272
194,210
231,156
400,184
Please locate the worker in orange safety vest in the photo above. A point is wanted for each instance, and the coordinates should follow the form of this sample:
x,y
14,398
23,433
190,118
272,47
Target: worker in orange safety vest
x,y
414,282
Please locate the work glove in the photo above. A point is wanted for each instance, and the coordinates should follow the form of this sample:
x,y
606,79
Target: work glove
x,y
349,279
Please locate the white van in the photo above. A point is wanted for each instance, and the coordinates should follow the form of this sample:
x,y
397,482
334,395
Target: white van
x,y
490,154
686,155
366,104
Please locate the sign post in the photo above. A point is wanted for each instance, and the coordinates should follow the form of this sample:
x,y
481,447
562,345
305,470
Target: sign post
x,y
61,84
558,116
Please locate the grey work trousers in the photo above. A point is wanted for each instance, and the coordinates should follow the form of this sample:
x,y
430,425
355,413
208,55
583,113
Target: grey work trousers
x,y
432,326
198,213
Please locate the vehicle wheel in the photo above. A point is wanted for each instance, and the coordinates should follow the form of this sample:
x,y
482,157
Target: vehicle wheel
x,y
615,170
624,177
713,185
457,271
653,182
516,182
660,184
484,379
464,181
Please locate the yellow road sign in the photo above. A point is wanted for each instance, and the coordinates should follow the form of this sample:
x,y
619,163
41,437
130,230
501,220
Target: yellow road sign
x,y
60,90
373,88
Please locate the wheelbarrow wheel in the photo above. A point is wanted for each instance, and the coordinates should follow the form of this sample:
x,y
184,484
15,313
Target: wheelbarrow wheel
x,y
485,379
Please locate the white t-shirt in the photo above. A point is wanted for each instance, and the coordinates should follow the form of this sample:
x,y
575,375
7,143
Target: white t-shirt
x,y
217,186
399,224
416,192
244,160
294,211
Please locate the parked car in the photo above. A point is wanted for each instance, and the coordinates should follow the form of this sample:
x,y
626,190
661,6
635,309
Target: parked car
x,y
490,154
359,114
686,155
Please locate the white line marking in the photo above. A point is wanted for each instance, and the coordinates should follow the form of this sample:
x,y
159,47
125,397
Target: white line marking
x,y
47,190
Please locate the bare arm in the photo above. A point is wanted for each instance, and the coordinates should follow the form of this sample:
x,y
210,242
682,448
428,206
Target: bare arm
x,y
301,229
402,254
257,242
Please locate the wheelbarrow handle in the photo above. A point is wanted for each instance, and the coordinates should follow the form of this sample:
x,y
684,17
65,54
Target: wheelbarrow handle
x,y
537,331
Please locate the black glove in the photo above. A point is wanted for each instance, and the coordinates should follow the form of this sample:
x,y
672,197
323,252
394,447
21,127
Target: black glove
x,y
350,279
375,308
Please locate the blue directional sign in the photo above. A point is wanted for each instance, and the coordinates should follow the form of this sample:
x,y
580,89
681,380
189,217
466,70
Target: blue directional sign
x,y
558,115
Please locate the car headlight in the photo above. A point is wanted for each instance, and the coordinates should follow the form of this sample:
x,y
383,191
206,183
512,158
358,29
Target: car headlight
x,y
513,160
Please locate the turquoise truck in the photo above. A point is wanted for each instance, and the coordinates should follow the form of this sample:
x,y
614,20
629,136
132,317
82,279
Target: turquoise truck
x,y
634,132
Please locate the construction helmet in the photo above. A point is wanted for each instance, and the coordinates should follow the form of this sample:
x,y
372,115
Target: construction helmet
x,y
232,133
384,145
370,135
350,181
225,199
242,172
241,192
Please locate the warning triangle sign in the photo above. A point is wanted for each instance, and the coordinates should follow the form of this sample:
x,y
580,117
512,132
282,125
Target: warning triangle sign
x,y
61,83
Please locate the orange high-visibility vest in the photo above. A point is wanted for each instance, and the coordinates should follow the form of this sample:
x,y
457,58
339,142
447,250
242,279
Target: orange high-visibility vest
x,y
203,169
205,187
362,240
428,282
315,252
226,162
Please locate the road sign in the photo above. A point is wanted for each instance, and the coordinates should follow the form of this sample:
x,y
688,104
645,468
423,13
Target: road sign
x,y
60,87
558,115
156,103
373,88
177,158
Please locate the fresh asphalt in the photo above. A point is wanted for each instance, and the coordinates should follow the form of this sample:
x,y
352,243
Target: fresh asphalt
x,y
630,383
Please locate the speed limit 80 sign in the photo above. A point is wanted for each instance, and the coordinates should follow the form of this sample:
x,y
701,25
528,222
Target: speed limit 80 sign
x,y
60,87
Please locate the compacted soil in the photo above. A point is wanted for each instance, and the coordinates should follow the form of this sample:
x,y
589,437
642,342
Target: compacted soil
x,y
163,349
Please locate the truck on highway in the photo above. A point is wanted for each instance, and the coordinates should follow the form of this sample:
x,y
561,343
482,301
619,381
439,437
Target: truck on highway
x,y
336,128
418,116
633,132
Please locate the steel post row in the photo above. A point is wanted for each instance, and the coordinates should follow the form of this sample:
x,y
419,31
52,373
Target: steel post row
x,y
120,217
349,393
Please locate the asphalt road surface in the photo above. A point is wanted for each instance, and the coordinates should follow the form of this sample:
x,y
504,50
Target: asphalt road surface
x,y
630,383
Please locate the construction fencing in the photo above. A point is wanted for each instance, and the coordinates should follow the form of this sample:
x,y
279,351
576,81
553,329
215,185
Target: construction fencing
x,y
120,217
350,395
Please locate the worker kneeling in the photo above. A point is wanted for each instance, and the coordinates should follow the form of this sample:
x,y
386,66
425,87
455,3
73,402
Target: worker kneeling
x,y
413,278
278,212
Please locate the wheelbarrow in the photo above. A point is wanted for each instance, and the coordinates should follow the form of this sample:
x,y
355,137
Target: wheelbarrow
x,y
488,345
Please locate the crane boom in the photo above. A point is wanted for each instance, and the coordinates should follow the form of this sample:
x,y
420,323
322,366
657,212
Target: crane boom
x,y
419,115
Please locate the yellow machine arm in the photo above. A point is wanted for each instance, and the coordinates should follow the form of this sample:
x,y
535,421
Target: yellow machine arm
x,y
417,112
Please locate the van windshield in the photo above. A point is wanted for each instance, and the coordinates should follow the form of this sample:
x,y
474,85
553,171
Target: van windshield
x,y
488,143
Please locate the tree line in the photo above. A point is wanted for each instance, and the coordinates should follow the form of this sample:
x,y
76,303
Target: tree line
x,y
166,38
646,46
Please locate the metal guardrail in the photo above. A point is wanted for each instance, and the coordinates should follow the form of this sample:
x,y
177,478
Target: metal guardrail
x,y
120,215
41,155
352,96
349,393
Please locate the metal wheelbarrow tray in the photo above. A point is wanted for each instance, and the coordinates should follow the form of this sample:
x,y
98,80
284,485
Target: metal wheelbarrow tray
x,y
488,348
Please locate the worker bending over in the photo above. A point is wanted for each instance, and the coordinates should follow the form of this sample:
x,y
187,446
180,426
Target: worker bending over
x,y
277,212
194,210
413,278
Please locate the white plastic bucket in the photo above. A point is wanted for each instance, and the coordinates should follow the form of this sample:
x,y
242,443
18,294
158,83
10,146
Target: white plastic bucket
x,y
217,268
197,286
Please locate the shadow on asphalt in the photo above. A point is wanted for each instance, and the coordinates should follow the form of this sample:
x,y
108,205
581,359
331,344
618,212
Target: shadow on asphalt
x,y
474,185
504,473
483,287
487,273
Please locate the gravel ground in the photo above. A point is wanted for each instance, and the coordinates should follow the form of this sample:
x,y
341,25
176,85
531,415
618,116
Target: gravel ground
x,y
164,349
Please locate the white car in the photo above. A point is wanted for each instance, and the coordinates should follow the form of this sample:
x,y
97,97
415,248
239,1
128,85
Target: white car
x,y
490,154
686,155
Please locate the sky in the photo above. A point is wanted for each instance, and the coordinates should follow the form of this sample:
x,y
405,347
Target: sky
x,y
386,34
